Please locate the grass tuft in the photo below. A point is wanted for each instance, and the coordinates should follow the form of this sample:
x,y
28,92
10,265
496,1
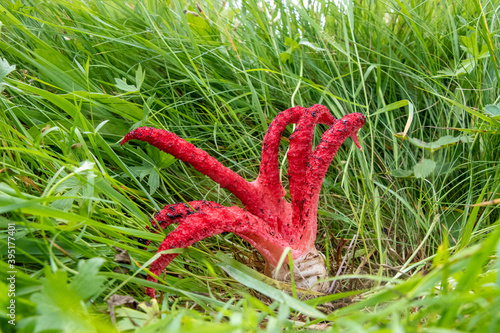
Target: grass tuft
x,y
76,76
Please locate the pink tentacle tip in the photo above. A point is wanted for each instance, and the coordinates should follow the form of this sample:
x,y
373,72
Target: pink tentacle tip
x,y
127,137
356,141
269,222
358,120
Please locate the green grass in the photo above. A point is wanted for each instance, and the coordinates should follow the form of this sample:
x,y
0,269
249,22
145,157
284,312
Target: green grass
x,y
425,73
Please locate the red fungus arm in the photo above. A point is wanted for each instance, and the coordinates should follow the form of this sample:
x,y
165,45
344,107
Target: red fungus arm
x,y
330,142
299,154
201,161
269,178
209,221
269,166
277,211
173,213
304,215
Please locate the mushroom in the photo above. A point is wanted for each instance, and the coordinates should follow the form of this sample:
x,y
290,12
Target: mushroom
x,y
268,221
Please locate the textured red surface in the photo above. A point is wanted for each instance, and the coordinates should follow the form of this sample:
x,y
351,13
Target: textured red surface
x,y
268,222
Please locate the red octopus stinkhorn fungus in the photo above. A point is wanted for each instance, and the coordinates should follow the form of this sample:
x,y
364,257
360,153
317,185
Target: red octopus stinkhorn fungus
x,y
269,222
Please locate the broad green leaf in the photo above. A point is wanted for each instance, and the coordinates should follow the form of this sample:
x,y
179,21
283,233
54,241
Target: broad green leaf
x,y
199,25
132,319
292,43
84,167
470,44
66,204
62,305
5,68
142,171
122,84
153,181
286,57
446,141
87,283
140,75
401,173
424,168
442,142
493,110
